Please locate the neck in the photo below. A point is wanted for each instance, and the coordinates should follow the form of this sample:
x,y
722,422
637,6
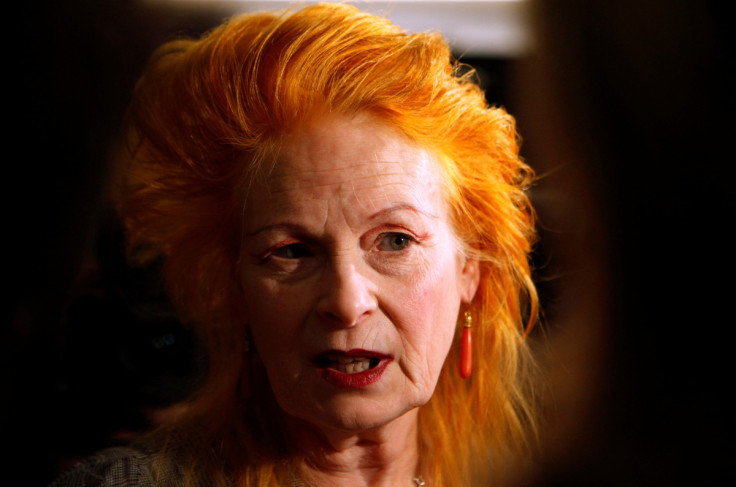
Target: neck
x,y
383,456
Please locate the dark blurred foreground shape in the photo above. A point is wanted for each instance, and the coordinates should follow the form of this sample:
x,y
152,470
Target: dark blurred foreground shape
x,y
627,106
89,348
625,110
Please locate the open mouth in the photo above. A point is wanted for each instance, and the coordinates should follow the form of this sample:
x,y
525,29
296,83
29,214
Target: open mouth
x,y
350,362
355,368
347,364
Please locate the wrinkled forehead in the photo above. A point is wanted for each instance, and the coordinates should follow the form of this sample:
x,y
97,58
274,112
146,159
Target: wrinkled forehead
x,y
358,156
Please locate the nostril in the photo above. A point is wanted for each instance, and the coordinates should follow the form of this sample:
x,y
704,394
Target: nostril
x,y
345,319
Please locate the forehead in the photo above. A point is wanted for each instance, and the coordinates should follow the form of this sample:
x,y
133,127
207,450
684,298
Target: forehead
x,y
351,158
360,144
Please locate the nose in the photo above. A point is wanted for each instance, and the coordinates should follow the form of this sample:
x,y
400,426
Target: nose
x,y
347,294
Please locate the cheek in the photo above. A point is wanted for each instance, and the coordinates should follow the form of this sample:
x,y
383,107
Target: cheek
x,y
273,320
430,309
274,325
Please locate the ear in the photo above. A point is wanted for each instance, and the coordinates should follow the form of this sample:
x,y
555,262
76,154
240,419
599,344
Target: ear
x,y
468,279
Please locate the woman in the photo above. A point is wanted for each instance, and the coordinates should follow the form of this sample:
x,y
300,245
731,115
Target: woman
x,y
338,211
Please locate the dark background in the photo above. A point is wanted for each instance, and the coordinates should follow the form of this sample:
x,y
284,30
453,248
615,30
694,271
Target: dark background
x,y
625,109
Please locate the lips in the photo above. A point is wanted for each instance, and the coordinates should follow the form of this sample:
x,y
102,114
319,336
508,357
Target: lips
x,y
353,368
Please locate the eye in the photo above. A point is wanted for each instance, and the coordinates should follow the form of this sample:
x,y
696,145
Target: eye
x,y
394,241
291,251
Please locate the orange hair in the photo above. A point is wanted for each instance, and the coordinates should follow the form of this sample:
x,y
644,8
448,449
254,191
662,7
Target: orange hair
x,y
205,117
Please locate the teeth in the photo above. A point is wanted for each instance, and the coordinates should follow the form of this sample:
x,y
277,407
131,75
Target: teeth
x,y
355,366
349,365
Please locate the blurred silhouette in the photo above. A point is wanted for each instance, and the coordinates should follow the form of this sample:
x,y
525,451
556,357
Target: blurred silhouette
x,y
626,106
82,358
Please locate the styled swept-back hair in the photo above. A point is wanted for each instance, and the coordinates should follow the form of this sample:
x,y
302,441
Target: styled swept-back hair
x,y
206,118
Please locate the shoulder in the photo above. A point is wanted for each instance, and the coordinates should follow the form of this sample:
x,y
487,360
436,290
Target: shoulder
x,y
115,467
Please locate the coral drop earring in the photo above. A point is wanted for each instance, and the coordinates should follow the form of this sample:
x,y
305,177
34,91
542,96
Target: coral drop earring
x,y
466,348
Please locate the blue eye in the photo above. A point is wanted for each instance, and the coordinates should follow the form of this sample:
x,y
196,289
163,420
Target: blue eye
x,y
291,251
395,241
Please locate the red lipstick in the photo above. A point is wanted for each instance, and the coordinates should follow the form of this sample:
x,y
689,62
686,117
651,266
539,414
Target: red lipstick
x,y
339,367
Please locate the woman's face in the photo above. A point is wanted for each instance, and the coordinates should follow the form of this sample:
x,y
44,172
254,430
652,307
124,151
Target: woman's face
x,y
352,277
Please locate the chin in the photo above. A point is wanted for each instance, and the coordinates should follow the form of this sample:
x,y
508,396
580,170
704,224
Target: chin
x,y
325,406
354,414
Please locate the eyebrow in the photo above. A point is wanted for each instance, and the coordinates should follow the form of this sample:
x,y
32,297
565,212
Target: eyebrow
x,y
374,216
398,207
286,225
